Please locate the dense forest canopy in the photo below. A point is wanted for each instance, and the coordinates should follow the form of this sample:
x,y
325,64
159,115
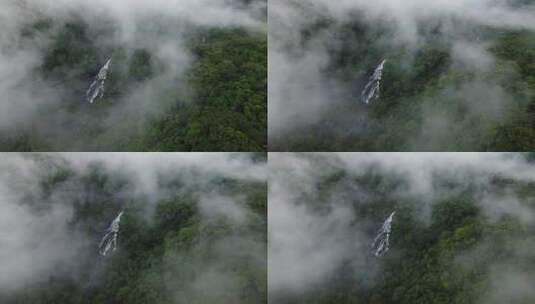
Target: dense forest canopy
x,y
193,228
457,77
463,231
184,76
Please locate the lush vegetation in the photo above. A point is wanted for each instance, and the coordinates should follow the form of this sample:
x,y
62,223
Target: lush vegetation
x,y
454,248
213,100
430,99
231,112
168,251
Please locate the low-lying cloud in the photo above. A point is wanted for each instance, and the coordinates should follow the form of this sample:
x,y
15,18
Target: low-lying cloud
x,y
303,87
315,227
30,102
39,240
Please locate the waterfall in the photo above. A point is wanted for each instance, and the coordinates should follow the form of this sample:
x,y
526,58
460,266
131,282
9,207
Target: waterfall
x,y
371,90
96,89
109,241
380,244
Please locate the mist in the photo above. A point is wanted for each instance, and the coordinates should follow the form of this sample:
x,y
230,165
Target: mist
x,y
56,207
321,54
326,208
150,39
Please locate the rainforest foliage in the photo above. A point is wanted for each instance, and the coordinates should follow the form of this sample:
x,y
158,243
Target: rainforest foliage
x,y
436,95
168,251
455,248
202,89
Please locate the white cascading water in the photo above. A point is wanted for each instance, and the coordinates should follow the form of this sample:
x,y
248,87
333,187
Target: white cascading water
x,y
109,241
96,89
381,244
371,90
